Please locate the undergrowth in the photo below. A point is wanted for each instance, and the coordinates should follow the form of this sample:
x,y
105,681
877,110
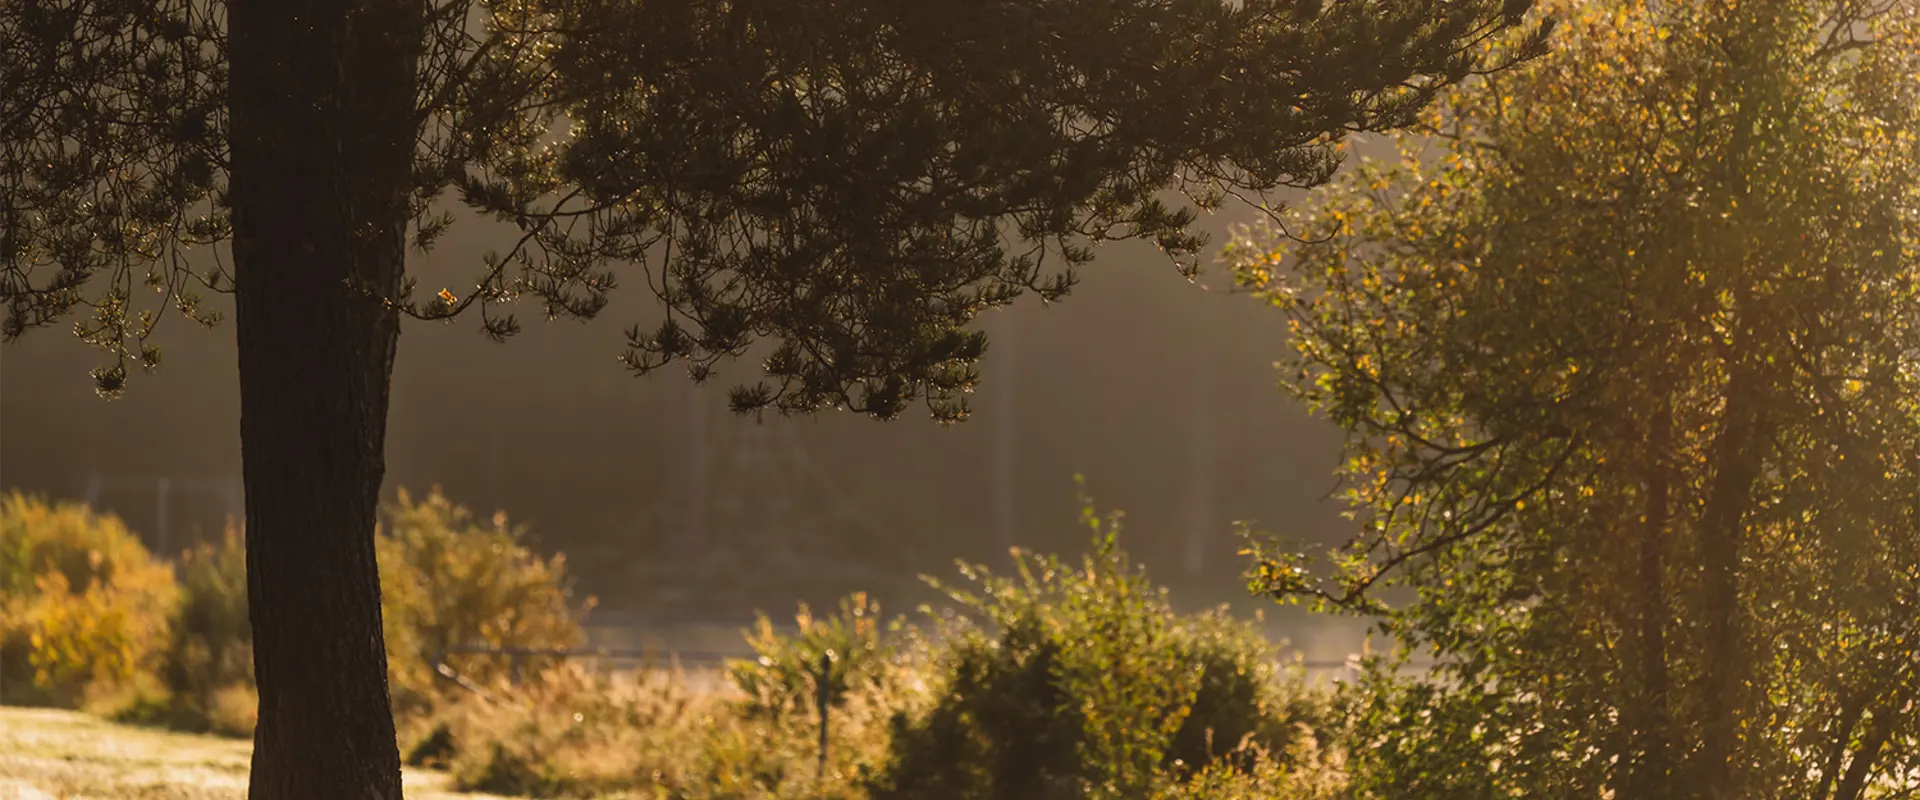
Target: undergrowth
x,y
1064,679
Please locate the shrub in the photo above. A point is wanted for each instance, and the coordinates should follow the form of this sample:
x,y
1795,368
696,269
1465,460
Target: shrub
x,y
234,710
1068,682
573,733
772,749
445,580
448,580
745,758
83,607
209,666
1303,772
139,700
570,733
784,675
1246,703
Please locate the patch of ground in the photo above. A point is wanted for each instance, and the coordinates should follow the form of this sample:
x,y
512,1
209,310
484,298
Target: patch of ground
x,y
62,755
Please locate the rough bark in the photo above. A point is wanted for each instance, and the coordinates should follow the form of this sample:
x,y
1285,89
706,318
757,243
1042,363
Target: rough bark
x,y
321,98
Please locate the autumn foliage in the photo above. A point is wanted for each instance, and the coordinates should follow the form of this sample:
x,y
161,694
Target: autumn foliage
x,y
91,618
84,610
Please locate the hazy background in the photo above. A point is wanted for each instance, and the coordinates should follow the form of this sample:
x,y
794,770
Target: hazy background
x,y
1161,392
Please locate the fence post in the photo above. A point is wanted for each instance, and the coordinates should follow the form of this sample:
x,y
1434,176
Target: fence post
x,y
823,696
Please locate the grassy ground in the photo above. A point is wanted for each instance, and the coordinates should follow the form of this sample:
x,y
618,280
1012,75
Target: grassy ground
x,y
68,756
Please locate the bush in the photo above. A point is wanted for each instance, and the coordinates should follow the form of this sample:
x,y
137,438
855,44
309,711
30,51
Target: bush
x,y
1303,772
569,733
83,607
234,710
573,733
783,677
445,580
875,671
1246,704
209,666
1083,682
89,616
448,580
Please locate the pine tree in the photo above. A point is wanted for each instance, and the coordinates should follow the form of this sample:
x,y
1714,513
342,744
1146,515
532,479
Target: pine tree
x,y
850,182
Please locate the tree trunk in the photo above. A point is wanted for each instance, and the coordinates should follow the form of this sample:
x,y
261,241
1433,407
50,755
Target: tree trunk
x,y
321,98
1737,453
1843,725
1736,458
1651,776
1861,767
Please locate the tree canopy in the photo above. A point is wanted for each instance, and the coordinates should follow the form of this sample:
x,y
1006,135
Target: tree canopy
x,y
851,182
1627,348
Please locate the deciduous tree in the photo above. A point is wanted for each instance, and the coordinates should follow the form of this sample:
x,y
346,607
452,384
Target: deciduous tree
x,y
1628,347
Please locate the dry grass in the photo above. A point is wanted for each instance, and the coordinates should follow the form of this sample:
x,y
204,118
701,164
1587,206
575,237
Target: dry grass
x,y
71,756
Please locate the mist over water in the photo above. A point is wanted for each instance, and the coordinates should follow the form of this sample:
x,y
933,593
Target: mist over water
x,y
1161,392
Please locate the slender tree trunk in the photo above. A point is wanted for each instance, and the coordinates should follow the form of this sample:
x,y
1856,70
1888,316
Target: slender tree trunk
x,y
1895,707
1861,767
321,97
1736,458
1737,451
1652,775
1843,725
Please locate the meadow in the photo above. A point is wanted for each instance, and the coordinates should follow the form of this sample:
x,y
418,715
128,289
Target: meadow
x,y
56,754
